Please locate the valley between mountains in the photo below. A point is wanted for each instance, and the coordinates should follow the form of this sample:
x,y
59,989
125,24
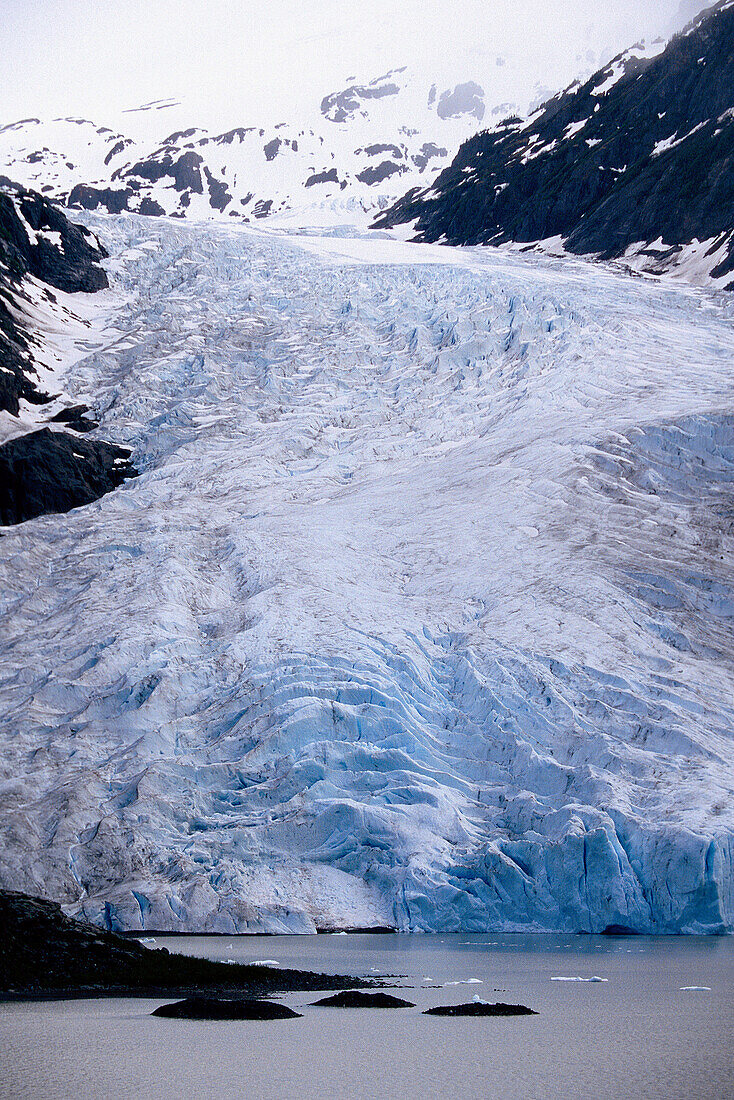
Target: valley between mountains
x,y
418,613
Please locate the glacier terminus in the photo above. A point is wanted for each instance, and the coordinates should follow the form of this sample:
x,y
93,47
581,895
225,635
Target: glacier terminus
x,y
420,613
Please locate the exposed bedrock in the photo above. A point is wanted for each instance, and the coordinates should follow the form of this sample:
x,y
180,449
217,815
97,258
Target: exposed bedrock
x,y
112,199
36,239
53,471
42,951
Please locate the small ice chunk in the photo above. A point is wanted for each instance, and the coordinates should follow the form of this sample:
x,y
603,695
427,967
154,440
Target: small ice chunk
x,y
467,981
595,978
478,1000
695,989
264,962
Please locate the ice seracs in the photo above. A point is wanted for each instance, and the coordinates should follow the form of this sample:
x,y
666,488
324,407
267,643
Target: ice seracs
x,y
419,614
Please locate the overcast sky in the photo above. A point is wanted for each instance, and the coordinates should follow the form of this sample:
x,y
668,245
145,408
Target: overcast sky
x,y
244,60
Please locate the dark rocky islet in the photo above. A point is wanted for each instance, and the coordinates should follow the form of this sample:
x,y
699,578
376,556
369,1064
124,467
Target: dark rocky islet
x,y
354,998
480,1008
215,1008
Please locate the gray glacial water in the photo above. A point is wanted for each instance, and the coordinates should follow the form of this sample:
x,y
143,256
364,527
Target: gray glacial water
x,y
638,1034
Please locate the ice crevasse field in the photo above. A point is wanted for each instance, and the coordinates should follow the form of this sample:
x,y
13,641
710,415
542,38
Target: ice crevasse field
x,y
419,614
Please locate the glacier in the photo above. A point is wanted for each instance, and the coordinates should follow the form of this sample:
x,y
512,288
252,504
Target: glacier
x,y
420,613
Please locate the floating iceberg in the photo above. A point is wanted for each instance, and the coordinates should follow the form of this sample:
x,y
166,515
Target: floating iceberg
x,y
592,979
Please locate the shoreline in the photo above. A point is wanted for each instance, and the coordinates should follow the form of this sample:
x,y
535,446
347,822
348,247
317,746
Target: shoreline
x,y
45,955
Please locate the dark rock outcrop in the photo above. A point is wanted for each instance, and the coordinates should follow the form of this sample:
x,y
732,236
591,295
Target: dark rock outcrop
x,y
354,998
150,208
382,171
212,1008
643,150
112,199
76,418
45,953
50,471
428,151
183,168
219,196
341,106
322,177
464,99
37,239
45,471
271,148
380,147
479,1008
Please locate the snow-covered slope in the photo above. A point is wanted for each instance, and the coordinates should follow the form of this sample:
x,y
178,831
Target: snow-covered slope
x,y
419,614
635,163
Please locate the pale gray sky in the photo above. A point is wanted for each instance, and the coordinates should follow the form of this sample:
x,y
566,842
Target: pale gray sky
x,y
243,60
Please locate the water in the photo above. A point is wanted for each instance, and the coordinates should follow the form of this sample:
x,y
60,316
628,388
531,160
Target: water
x,y
637,1035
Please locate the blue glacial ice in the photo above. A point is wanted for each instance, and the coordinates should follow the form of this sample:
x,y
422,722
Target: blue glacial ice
x,y
420,613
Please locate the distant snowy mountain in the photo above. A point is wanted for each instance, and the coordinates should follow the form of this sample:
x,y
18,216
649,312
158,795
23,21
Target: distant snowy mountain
x,y
360,148
636,162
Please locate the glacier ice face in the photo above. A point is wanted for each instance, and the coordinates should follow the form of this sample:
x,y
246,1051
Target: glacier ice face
x,y
419,614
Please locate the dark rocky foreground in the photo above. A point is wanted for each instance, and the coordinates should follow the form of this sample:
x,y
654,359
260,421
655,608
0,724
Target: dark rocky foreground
x,y
45,954
478,1008
649,158
353,998
211,1008
51,471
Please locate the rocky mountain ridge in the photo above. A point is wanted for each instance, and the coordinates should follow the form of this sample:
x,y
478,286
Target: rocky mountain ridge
x,y
43,258
635,163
